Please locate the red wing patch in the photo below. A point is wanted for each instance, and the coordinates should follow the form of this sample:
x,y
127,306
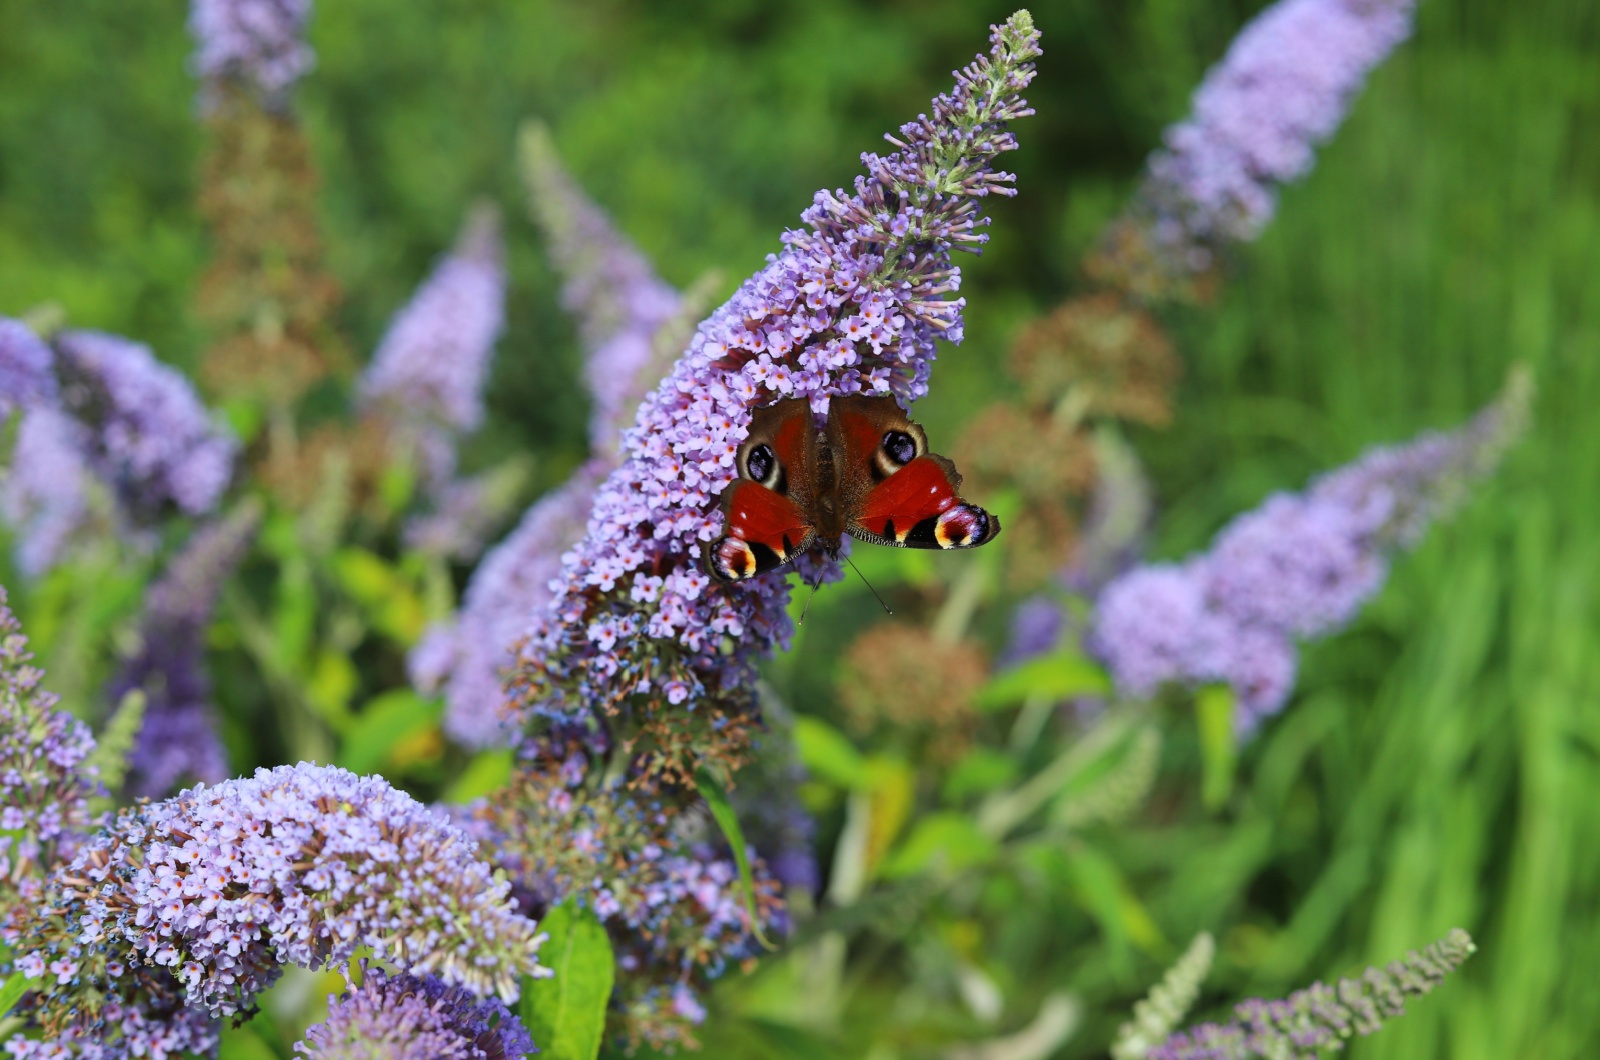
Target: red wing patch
x,y
918,491
762,517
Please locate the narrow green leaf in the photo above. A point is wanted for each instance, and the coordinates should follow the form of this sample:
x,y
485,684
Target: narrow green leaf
x,y
1058,675
1214,710
716,796
567,1014
11,990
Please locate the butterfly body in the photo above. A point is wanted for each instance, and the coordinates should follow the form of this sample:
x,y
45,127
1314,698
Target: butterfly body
x,y
868,474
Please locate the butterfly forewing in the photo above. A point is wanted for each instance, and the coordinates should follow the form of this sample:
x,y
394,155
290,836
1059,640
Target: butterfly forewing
x,y
766,511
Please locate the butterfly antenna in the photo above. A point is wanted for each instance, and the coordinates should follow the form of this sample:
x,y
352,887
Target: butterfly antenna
x,y
868,584
814,586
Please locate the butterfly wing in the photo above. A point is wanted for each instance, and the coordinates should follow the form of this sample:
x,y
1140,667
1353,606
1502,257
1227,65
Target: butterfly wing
x,y
766,520
892,490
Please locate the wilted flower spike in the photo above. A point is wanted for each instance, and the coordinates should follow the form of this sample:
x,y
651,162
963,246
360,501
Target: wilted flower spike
x,y
619,301
260,43
25,368
178,740
222,886
1320,1018
853,303
428,373
1299,566
149,437
404,1017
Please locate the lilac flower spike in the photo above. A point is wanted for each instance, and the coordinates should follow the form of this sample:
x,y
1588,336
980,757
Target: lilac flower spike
x,y
1282,89
205,897
25,369
619,301
1300,566
469,658
430,368
403,1017
178,739
852,304
46,492
259,43
1311,1022
149,438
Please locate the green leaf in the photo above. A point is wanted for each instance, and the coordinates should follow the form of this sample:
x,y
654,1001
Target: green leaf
x,y
1058,675
488,771
983,770
1214,711
948,841
384,723
713,791
11,990
391,603
567,1015
828,753
243,1043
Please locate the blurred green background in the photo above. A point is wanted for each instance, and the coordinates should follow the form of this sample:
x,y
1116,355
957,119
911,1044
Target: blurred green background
x,y
1440,762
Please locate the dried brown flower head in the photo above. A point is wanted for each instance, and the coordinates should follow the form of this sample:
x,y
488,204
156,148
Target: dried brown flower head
x,y
266,293
1098,355
901,676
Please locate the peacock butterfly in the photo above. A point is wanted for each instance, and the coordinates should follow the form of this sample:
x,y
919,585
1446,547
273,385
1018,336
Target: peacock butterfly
x,y
867,474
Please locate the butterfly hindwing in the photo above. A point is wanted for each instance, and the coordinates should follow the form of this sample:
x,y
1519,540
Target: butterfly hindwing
x,y
765,520
892,490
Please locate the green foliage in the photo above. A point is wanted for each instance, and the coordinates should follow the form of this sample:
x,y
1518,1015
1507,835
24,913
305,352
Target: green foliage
x,y
566,1014
1436,765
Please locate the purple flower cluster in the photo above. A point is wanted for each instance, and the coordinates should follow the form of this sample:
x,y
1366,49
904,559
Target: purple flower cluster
x,y
26,378
1299,566
46,492
215,890
178,739
1282,89
403,1017
45,785
260,43
149,436
853,304
428,373
470,657
1320,1018
132,1030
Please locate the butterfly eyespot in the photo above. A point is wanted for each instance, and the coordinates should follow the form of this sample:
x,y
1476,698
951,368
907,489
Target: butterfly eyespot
x,y
900,447
760,463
